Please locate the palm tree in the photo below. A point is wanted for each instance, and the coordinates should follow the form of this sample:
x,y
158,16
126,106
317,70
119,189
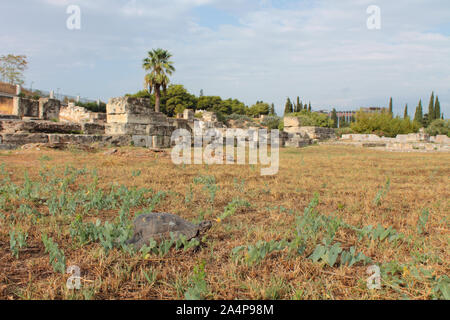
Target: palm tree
x,y
161,67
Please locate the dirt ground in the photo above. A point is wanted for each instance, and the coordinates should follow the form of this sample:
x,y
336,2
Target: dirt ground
x,y
407,192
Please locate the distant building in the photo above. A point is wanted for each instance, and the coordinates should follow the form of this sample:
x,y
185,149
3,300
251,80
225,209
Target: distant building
x,y
374,109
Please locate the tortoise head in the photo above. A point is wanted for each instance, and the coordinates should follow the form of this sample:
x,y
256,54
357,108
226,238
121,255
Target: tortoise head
x,y
204,226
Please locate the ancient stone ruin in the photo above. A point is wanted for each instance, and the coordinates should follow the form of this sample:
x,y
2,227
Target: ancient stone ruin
x,y
402,142
131,121
300,136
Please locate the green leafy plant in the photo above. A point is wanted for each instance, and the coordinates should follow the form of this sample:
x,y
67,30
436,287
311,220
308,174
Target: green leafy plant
x,y
423,219
57,258
232,207
330,255
210,185
382,193
254,254
197,285
18,240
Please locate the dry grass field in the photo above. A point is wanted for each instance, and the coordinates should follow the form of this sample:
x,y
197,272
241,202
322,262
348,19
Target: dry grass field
x,y
295,235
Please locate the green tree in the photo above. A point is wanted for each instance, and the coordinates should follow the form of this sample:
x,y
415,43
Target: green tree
x,y
334,118
405,114
438,127
12,68
309,107
288,107
437,109
430,109
160,67
215,104
426,120
315,119
383,124
391,107
272,110
178,99
298,106
258,109
237,107
418,117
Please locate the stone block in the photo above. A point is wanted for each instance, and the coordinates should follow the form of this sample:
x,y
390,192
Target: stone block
x,y
291,122
129,105
21,139
49,108
142,141
442,139
13,126
93,128
188,114
126,128
154,118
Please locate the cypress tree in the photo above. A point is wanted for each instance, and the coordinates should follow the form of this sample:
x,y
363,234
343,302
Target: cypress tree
x,y
418,117
301,106
437,109
272,110
298,105
405,115
431,109
288,107
309,107
391,107
334,118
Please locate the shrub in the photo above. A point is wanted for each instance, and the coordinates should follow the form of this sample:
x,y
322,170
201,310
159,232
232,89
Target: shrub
x,y
240,121
312,119
271,122
439,127
383,124
341,131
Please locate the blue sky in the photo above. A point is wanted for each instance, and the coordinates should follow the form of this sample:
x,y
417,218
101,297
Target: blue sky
x,y
251,50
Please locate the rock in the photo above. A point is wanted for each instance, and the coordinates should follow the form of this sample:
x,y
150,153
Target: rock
x,y
14,126
110,152
291,122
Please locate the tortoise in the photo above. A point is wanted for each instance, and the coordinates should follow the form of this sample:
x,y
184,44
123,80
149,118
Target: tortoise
x,y
158,226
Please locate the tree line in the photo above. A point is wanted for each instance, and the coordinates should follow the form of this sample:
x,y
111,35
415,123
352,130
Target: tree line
x,y
172,99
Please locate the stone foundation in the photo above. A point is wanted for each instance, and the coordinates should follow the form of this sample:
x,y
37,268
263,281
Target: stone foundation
x,y
73,113
134,117
298,136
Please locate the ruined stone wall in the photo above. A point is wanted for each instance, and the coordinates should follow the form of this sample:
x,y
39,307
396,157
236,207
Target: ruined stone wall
x,y
24,107
403,142
49,109
401,138
29,108
6,105
73,113
134,117
299,136
17,126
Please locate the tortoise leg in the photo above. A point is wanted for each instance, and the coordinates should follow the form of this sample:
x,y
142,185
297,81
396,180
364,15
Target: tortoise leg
x,y
196,249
